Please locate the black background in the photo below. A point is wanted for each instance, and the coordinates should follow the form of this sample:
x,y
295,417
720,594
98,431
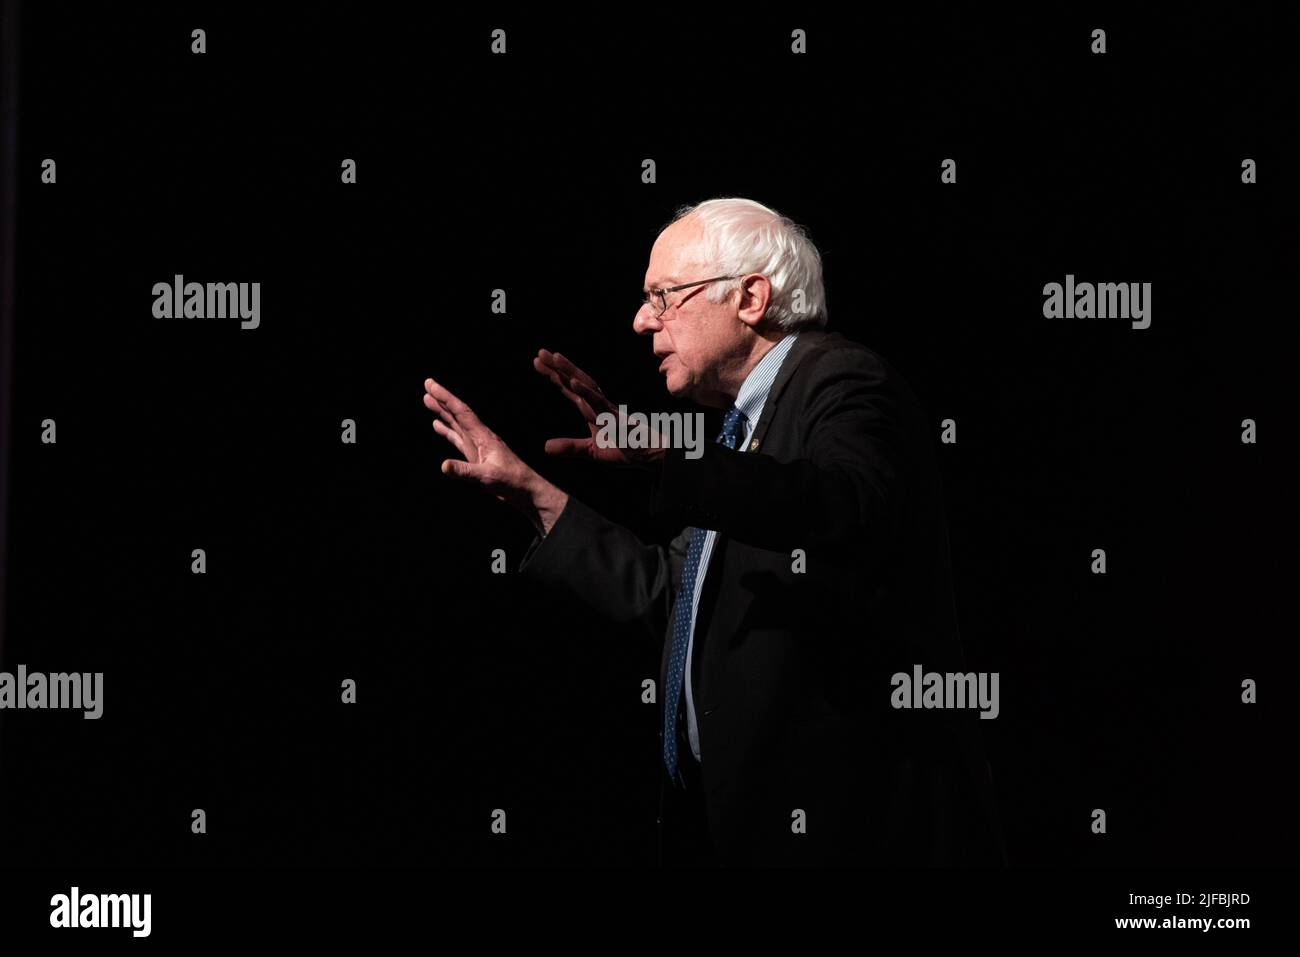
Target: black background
x,y
475,172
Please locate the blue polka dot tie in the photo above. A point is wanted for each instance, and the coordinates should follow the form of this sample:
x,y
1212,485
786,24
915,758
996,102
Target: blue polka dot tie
x,y
682,619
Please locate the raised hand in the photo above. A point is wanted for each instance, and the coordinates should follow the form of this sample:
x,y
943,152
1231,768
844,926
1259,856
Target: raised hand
x,y
489,461
592,404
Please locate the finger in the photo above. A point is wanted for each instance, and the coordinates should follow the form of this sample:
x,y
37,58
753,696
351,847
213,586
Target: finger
x,y
545,364
546,368
580,447
569,369
434,390
585,408
451,436
460,469
557,364
434,405
464,416
469,448
563,383
546,356
594,399
572,371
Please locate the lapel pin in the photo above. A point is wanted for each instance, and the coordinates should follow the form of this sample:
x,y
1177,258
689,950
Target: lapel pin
x,y
753,445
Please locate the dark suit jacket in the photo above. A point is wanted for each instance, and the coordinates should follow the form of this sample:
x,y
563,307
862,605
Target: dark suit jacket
x,y
792,668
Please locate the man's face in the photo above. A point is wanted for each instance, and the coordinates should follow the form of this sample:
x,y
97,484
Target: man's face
x,y
695,339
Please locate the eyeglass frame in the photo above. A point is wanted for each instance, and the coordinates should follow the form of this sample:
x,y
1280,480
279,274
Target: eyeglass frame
x,y
663,293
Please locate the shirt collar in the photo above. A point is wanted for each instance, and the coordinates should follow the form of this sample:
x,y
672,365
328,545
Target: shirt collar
x,y
753,391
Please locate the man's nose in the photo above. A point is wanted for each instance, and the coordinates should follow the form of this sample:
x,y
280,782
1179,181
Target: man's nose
x,y
645,323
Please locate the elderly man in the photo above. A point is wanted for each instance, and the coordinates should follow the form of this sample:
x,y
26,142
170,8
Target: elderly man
x,y
812,568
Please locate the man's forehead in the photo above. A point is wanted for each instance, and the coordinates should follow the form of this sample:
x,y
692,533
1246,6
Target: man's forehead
x,y
674,246
663,266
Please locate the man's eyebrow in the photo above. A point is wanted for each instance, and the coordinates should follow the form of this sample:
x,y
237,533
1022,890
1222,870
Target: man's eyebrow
x,y
670,280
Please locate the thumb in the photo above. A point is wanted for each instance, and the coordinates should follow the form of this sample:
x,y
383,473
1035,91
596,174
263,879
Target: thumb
x,y
458,468
567,446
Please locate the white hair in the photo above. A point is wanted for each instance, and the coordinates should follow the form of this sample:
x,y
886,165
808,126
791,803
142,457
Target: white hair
x,y
742,236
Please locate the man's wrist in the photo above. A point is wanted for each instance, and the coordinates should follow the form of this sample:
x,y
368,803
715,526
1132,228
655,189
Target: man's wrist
x,y
547,501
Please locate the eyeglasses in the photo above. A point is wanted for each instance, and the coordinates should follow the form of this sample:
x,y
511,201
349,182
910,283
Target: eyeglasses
x,y
657,299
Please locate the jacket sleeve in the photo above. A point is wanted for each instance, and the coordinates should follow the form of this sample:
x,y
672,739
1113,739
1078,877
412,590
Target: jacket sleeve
x,y
843,492
606,566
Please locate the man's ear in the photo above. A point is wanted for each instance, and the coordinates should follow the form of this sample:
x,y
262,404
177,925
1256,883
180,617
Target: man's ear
x,y
755,295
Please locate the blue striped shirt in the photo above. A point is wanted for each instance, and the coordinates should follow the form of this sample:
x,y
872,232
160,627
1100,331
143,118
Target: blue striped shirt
x,y
750,401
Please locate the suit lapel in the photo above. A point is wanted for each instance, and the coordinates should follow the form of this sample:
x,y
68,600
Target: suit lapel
x,y
807,339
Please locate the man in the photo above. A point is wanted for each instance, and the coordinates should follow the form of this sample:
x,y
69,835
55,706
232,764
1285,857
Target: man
x,y
813,566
